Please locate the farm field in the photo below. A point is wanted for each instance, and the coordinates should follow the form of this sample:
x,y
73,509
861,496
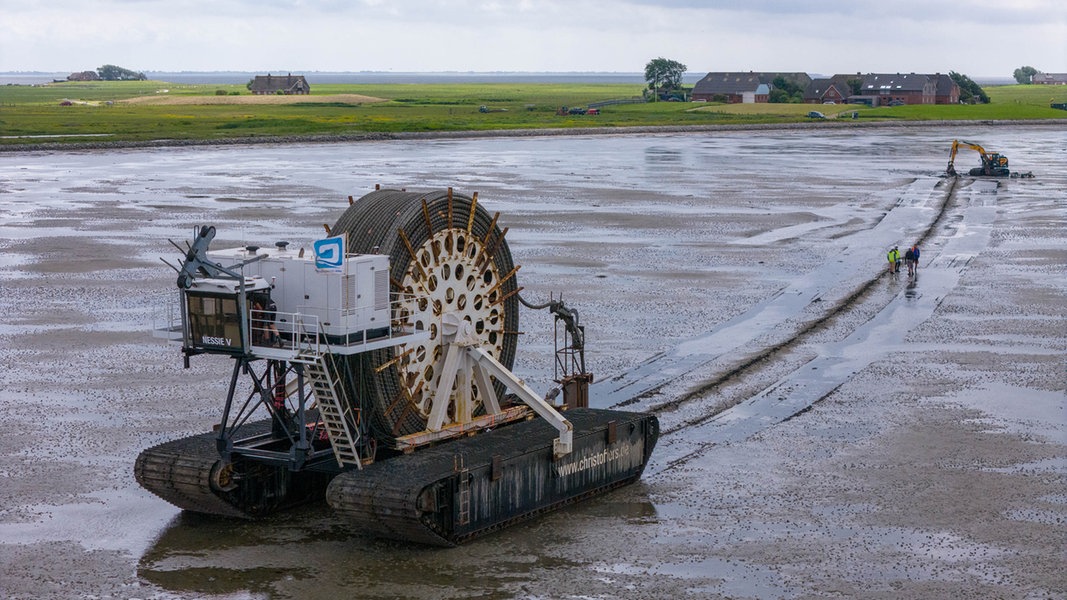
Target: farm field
x,y
140,111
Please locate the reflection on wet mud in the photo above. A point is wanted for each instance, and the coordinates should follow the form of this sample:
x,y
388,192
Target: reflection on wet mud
x,y
310,548
911,292
190,553
635,512
660,154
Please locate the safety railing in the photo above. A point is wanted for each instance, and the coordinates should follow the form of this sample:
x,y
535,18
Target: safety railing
x,y
167,317
302,332
292,332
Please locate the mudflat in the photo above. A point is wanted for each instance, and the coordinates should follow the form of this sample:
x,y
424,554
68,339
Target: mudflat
x,y
829,428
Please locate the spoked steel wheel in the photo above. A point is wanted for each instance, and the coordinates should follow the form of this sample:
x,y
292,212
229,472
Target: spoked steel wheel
x,y
450,262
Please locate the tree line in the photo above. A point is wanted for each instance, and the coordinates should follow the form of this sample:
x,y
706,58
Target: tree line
x,y
107,73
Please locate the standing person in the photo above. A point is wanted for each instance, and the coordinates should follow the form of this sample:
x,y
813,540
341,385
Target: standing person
x,y
909,259
894,258
915,253
264,310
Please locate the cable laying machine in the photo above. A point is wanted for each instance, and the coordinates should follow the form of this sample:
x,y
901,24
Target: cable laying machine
x,y
376,371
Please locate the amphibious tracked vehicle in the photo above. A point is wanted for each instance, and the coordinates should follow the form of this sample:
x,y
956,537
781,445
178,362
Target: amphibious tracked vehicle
x,y
375,370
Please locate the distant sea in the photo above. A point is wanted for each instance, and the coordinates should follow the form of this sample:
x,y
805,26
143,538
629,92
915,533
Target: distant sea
x,y
325,77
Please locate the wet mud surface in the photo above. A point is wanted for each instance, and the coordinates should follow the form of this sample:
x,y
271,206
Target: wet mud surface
x,y
830,430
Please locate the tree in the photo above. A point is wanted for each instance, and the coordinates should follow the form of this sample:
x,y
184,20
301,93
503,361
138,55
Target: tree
x,y
113,73
856,85
1025,74
663,75
970,92
785,91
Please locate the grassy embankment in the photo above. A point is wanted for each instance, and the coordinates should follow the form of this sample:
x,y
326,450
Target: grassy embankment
x,y
151,110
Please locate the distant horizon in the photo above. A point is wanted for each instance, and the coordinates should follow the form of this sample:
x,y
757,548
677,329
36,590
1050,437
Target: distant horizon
x,y
221,76
548,37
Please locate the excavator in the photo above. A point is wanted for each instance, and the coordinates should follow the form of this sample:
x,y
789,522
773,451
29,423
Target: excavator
x,y
993,163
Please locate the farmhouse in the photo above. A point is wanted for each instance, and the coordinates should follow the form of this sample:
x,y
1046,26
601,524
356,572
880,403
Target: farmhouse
x,y
274,84
948,92
834,90
910,88
1049,78
734,88
880,89
84,76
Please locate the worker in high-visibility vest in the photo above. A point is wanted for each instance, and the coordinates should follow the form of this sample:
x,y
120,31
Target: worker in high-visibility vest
x,y
894,259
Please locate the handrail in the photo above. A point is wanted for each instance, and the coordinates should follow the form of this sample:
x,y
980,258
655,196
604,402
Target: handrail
x,y
294,331
298,331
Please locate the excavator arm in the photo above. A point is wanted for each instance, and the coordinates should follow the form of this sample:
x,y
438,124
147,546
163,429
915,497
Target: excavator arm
x,y
951,170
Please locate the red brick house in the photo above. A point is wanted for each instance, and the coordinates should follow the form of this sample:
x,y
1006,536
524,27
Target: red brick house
x,y
824,91
882,89
947,90
909,88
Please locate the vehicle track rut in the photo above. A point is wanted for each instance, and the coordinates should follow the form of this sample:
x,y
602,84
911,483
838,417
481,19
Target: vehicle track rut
x,y
866,317
895,315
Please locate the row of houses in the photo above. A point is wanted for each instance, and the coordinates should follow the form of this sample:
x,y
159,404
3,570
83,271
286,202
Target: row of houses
x,y
874,89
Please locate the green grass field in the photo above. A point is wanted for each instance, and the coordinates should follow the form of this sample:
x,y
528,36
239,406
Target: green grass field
x,y
63,112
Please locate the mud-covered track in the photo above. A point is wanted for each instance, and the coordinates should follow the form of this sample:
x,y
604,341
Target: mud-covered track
x,y
508,474
185,472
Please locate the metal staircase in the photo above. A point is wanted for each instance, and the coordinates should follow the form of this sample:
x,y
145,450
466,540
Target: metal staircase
x,y
337,414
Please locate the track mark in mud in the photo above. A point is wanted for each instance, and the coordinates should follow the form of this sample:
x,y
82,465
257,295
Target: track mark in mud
x,y
638,384
837,362
843,306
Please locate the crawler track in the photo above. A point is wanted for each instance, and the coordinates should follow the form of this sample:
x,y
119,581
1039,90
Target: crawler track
x,y
186,473
451,493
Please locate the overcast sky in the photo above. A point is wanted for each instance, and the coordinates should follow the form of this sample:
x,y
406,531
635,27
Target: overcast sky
x,y
980,38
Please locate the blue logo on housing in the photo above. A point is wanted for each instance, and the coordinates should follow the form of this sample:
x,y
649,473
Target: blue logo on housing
x,y
330,253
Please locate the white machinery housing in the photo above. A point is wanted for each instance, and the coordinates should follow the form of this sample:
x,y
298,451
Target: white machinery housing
x,y
351,303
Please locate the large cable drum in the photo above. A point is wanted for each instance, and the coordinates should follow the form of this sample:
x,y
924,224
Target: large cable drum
x,y
447,255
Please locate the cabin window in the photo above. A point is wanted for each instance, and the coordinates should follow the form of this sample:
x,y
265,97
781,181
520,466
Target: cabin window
x,y
214,322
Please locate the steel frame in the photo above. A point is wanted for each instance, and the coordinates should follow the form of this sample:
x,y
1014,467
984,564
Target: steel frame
x,y
290,428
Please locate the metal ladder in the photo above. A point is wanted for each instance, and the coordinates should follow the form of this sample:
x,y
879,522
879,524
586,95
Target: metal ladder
x,y
464,493
337,414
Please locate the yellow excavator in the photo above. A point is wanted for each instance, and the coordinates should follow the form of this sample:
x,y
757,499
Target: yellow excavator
x,y
993,164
